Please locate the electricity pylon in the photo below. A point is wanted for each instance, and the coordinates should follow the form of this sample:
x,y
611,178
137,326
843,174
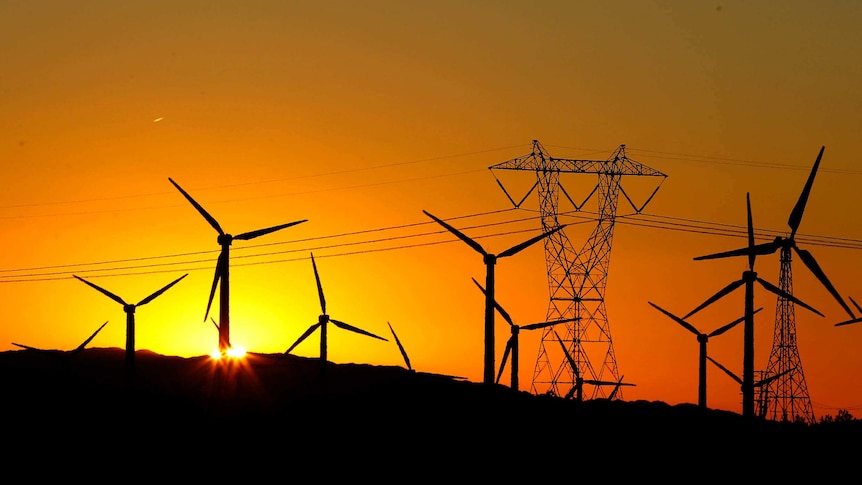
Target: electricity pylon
x,y
577,279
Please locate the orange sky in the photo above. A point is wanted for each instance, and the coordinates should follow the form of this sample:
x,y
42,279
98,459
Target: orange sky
x,y
359,115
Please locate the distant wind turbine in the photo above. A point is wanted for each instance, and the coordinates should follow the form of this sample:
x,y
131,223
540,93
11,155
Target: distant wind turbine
x,y
702,338
68,354
222,271
490,261
761,383
512,343
578,389
322,321
130,316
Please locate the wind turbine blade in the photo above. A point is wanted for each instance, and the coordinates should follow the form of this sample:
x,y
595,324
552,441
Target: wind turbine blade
x,y
473,244
848,322
91,337
499,308
505,358
751,256
726,371
260,232
676,319
219,271
524,245
730,325
357,330
400,347
787,296
27,347
569,358
756,250
200,209
303,337
812,265
154,295
534,326
854,319
214,323
616,388
606,383
319,287
724,291
103,291
769,379
571,392
796,215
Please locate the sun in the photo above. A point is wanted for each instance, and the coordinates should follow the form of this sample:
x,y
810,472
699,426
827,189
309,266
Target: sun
x,y
234,352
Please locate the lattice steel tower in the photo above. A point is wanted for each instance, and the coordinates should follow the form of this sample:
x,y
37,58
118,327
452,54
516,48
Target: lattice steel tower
x,y
577,279
786,398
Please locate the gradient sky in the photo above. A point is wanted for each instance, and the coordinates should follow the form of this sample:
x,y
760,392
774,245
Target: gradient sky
x,y
359,115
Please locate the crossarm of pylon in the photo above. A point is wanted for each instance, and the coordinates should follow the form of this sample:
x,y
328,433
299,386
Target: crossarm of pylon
x,y
508,196
578,206
638,210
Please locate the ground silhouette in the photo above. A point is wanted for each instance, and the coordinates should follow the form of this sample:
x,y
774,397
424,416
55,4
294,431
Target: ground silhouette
x,y
267,411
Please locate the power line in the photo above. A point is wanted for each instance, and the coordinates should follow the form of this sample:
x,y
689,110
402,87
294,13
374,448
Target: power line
x,y
651,221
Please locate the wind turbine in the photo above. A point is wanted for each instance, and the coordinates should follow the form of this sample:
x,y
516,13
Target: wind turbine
x,y
68,354
322,321
512,343
577,389
761,383
222,271
749,277
490,260
702,339
130,317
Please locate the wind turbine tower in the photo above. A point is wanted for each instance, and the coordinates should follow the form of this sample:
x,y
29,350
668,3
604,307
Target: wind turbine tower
x,y
577,279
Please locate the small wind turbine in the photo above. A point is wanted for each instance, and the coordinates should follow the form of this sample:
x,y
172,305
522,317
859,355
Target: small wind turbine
x,y
64,355
512,343
400,347
130,317
490,261
761,383
702,338
578,388
222,271
749,277
321,324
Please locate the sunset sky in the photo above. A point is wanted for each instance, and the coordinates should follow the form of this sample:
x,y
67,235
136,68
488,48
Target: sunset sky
x,y
357,116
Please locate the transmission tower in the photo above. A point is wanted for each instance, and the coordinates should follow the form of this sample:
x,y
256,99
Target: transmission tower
x,y
786,398
577,279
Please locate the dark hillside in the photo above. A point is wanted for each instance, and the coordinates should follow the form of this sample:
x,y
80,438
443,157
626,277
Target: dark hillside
x,y
266,408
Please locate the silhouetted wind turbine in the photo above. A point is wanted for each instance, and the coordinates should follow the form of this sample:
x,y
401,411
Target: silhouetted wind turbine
x,y
749,277
65,355
785,244
761,383
130,316
702,338
400,347
512,343
321,324
578,388
222,271
490,261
